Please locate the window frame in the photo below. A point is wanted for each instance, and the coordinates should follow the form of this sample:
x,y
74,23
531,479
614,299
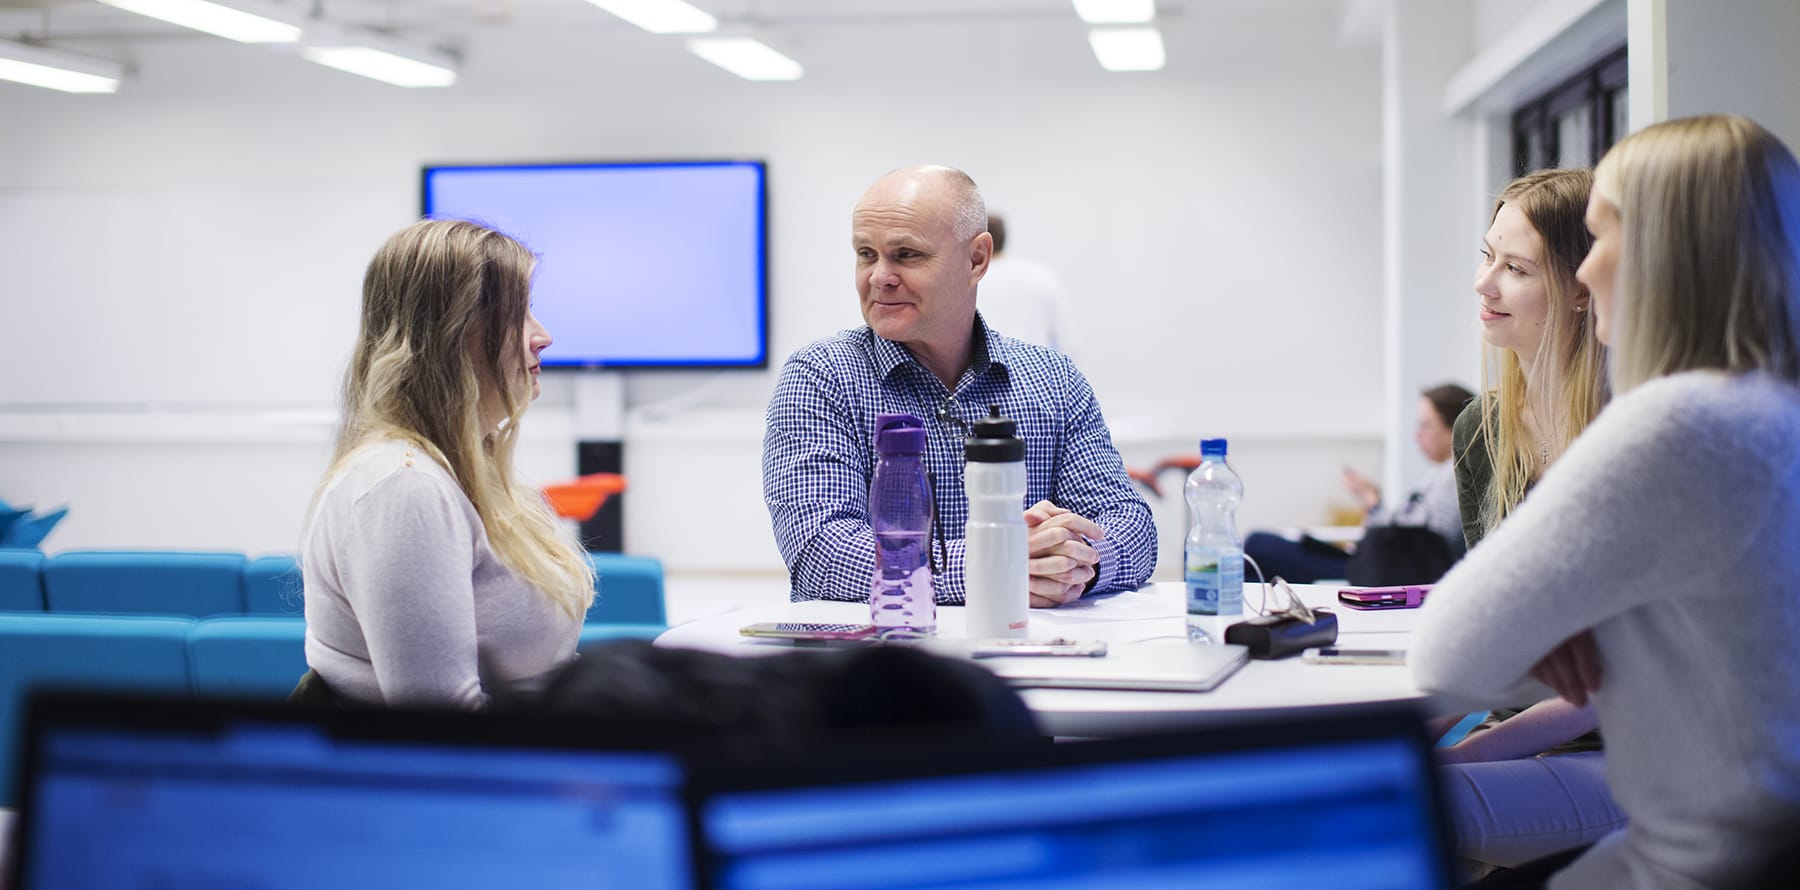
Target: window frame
x,y
1592,88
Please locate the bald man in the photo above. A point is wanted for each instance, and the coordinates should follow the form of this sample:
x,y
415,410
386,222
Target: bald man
x,y
921,244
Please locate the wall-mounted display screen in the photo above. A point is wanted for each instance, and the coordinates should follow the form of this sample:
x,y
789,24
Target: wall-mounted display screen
x,y
640,264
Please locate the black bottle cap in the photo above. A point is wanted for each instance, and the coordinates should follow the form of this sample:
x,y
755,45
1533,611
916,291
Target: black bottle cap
x,y
994,440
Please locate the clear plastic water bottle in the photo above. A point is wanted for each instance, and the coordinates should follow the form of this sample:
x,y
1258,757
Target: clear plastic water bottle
x,y
900,595
1215,553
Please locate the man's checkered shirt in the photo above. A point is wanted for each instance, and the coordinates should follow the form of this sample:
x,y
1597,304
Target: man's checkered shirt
x,y
819,456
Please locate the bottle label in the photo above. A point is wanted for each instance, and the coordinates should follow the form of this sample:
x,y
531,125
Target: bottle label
x,y
1215,582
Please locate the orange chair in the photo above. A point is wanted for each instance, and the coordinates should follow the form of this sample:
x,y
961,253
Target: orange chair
x,y
1148,478
581,499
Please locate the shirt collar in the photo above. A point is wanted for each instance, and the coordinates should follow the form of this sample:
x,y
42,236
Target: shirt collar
x,y
989,351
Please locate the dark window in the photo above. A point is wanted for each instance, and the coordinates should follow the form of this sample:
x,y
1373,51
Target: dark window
x,y
1575,123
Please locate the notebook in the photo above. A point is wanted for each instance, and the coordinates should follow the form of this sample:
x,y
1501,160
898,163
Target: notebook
x,y
1149,666
1346,801
180,793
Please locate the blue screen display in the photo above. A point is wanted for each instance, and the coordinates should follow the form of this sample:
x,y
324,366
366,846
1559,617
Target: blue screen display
x,y
1345,816
641,265
289,807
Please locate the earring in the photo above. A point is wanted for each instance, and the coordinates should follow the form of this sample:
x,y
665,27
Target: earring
x,y
1580,308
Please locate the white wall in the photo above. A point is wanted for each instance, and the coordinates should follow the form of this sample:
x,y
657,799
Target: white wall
x,y
180,259
1707,63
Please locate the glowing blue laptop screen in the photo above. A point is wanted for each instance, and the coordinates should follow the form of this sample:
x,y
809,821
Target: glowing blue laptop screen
x,y
1343,816
287,806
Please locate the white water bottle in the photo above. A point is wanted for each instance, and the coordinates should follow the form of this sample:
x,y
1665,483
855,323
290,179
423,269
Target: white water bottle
x,y
996,551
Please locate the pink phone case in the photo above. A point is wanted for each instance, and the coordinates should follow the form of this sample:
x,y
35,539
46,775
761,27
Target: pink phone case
x,y
1409,596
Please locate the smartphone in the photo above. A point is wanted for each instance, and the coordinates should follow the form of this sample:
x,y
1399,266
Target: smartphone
x,y
1409,596
1334,655
787,630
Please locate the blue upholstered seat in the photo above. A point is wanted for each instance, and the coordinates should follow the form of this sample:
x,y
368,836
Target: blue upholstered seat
x,y
247,656
150,583
599,633
272,586
21,581
628,590
124,652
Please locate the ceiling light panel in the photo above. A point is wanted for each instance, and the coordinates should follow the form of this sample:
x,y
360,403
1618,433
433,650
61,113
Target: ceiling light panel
x,y
57,70
380,65
246,21
746,57
1115,12
661,16
1128,49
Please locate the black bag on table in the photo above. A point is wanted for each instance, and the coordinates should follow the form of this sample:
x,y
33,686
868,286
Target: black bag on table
x,y
1390,555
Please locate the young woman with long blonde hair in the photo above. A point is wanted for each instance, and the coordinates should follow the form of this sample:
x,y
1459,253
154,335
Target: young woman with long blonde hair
x,y
432,574
1546,381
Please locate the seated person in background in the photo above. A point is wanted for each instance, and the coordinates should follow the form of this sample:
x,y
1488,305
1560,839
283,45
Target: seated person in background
x,y
1432,505
1651,570
426,563
1507,804
921,246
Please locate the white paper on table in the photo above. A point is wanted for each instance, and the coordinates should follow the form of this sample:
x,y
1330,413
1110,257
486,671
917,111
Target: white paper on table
x,y
1131,605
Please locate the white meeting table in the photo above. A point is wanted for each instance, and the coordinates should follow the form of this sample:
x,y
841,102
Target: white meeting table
x,y
1153,613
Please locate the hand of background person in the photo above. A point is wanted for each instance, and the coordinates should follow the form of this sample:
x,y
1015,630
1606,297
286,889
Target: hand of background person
x,y
1362,488
1572,668
1062,557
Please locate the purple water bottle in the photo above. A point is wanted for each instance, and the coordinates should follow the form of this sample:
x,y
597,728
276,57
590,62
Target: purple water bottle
x,y
900,596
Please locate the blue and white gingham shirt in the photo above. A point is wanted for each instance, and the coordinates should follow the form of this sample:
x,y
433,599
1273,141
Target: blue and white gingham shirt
x,y
819,456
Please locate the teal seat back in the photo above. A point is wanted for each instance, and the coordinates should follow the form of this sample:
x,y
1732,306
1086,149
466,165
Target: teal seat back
x,y
21,581
123,652
148,583
628,590
272,586
592,633
247,656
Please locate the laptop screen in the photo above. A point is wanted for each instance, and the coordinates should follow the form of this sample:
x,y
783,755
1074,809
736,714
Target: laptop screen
x,y
1343,805
180,795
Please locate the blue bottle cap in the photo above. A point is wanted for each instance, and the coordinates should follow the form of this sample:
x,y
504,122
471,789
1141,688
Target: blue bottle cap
x,y
1212,447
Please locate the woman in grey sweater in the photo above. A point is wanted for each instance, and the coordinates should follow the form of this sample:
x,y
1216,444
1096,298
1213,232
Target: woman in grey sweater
x,y
431,573
1660,548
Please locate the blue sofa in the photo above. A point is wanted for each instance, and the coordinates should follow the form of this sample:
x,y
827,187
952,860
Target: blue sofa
x,y
204,624
628,589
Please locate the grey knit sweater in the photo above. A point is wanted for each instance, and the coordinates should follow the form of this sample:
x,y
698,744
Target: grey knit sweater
x,y
405,598
1672,529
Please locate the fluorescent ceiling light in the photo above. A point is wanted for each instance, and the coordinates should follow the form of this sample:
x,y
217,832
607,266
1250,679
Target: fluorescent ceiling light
x,y
379,57
246,21
661,16
57,70
1115,12
1128,49
746,57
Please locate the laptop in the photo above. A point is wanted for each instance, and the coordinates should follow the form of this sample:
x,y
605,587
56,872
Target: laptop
x,y
1345,801
1148,666
136,792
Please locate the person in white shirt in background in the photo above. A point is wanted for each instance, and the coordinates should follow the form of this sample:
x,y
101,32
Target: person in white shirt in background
x,y
1651,571
1022,298
433,576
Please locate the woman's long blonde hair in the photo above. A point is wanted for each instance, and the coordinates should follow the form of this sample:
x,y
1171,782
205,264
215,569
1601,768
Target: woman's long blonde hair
x,y
1567,387
443,313
1709,252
